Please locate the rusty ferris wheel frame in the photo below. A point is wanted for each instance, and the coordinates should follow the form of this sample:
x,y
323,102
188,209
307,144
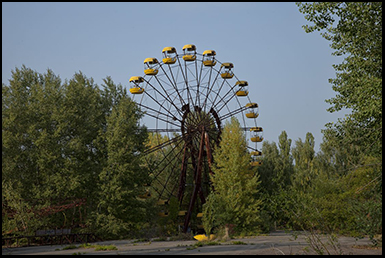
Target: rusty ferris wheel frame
x,y
187,98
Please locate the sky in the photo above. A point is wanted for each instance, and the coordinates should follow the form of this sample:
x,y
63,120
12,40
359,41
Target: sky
x,y
287,69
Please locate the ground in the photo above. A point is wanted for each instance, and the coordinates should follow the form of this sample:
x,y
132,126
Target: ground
x,y
276,243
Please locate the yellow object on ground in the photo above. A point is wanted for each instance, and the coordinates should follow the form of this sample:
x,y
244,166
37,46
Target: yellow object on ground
x,y
203,237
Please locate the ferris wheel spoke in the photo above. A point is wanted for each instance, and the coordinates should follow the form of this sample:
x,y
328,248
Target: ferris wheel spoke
x,y
197,100
189,82
161,106
176,139
147,108
173,83
169,152
218,93
210,88
223,101
170,165
167,97
164,97
185,80
233,113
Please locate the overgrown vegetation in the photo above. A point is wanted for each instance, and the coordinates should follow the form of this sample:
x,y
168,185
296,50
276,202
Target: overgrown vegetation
x,y
63,141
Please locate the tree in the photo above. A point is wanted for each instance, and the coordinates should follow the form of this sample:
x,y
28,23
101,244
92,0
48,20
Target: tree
x,y
355,142
303,154
122,180
269,169
70,140
357,36
234,200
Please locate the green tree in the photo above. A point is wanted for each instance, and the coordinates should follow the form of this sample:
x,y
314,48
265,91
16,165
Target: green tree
x,y
285,169
355,30
122,180
70,140
235,198
303,154
355,142
268,169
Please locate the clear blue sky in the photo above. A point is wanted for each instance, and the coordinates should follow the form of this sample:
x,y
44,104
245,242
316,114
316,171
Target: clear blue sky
x,y
287,69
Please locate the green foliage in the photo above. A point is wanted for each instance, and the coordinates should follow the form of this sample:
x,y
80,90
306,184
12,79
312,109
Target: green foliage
x,y
358,36
352,147
234,200
62,141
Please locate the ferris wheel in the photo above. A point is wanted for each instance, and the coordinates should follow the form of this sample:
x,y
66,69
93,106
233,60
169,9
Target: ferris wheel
x,y
186,98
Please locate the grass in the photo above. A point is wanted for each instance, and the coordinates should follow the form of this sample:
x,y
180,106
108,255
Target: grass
x,y
106,248
87,246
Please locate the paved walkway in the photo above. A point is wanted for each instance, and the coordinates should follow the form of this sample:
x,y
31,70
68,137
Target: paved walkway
x,y
276,243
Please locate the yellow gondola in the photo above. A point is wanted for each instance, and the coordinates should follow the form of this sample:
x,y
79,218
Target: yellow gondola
x,y
203,237
136,88
209,58
256,153
150,65
256,163
257,137
227,74
162,202
182,213
146,195
252,115
242,92
163,214
169,55
252,105
189,52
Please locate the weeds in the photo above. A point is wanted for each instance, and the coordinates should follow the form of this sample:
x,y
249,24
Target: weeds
x,y
87,245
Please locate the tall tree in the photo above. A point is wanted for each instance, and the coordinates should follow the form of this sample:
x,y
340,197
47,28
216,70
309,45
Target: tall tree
x,y
268,169
70,140
355,142
355,32
286,168
235,199
303,154
122,180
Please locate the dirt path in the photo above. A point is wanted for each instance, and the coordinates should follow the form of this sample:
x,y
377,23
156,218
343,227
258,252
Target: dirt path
x,y
276,243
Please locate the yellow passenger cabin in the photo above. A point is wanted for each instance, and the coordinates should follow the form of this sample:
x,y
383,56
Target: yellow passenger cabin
x,y
145,195
169,55
162,202
182,213
150,66
257,134
136,87
242,92
255,163
227,72
189,53
251,105
253,113
256,139
163,214
256,153
209,58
